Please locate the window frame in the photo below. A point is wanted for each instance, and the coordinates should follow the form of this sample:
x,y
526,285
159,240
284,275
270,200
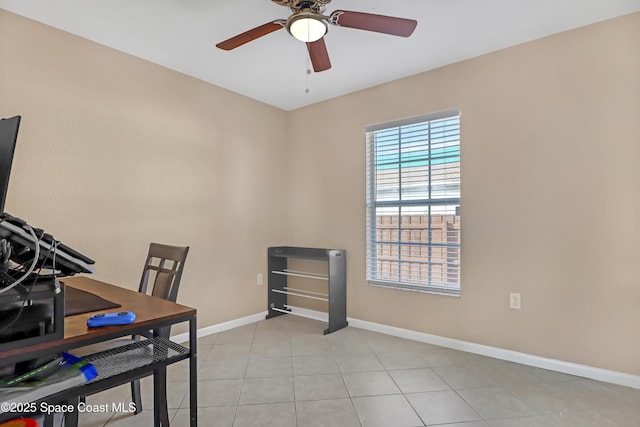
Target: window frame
x,y
372,206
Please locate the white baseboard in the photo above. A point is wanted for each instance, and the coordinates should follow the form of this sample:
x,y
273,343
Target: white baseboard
x,y
591,372
599,374
220,327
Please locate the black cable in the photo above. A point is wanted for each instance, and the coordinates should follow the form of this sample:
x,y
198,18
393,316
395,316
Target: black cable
x,y
34,262
19,313
28,289
5,251
36,276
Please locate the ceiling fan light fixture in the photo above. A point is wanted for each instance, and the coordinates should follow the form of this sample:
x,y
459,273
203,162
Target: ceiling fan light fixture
x,y
307,26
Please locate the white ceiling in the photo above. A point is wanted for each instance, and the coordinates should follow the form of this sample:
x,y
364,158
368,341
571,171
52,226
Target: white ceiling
x,y
181,35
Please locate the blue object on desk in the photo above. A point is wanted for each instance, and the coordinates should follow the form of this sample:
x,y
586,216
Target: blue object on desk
x,y
113,318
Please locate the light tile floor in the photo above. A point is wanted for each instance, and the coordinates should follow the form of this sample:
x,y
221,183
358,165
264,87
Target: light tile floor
x,y
285,372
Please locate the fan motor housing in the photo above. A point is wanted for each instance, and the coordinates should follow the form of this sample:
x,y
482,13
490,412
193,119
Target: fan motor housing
x,y
317,6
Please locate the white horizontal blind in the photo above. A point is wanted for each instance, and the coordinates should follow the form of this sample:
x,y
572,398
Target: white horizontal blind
x,y
413,203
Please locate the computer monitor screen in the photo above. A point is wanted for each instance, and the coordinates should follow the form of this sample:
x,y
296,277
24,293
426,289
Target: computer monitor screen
x,y
8,136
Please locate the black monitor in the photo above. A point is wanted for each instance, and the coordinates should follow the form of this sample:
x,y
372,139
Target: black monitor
x,y
8,136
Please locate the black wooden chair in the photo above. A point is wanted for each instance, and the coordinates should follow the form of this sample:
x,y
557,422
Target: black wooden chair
x,y
166,281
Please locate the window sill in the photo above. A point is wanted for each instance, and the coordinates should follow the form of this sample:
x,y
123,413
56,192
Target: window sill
x,y
433,291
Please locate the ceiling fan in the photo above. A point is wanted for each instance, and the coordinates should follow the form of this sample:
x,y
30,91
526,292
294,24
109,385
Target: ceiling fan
x,y
308,24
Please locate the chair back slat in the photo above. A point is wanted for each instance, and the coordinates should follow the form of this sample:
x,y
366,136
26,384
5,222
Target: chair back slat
x,y
162,285
165,279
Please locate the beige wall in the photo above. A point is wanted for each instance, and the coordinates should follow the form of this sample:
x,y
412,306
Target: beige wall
x,y
115,152
550,154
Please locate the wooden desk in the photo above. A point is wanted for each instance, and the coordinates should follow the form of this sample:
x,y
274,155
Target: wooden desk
x,y
151,314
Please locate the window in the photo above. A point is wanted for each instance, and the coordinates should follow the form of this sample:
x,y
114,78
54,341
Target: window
x,y
413,203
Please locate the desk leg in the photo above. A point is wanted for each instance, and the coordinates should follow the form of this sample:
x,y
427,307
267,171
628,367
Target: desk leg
x,y
193,373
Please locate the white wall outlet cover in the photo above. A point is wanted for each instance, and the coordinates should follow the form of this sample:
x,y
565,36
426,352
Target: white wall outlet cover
x,y
515,300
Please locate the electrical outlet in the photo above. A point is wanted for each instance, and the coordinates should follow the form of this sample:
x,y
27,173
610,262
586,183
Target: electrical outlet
x,y
260,279
514,300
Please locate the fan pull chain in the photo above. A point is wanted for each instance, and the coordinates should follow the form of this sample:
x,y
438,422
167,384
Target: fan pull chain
x,y
306,90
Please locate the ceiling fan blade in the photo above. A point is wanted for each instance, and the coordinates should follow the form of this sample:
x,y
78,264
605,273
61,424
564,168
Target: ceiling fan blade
x,y
319,55
250,35
372,22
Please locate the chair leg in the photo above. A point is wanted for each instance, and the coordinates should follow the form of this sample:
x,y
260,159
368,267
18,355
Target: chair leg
x,y
161,413
71,418
136,396
48,420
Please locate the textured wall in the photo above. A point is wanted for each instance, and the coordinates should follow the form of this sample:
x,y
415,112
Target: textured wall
x,y
115,152
550,151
